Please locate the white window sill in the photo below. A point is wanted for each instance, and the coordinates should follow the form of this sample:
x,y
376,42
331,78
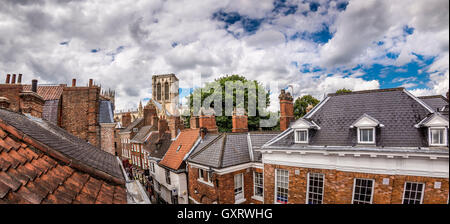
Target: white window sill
x,y
204,182
258,198
240,201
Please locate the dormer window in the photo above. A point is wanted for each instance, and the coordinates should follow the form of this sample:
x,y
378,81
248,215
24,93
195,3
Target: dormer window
x,y
438,136
366,135
301,136
301,130
437,126
366,129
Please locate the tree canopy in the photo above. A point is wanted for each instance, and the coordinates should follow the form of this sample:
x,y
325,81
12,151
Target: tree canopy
x,y
301,104
343,90
224,123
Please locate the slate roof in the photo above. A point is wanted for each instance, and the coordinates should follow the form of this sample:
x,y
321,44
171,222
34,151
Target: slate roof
x,y
435,102
229,149
395,108
141,136
133,124
35,166
105,112
48,92
157,146
174,157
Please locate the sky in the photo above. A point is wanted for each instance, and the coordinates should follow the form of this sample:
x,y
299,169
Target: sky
x,y
317,46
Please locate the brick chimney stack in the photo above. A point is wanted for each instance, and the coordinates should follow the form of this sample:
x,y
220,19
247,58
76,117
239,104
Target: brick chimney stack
x,y
91,82
174,126
240,121
286,110
150,115
194,122
31,103
74,82
19,79
207,120
162,126
8,78
13,79
126,119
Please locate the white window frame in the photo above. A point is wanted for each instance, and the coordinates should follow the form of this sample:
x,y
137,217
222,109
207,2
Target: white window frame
x,y
276,186
296,137
308,184
201,178
354,188
258,197
373,135
240,197
412,182
430,136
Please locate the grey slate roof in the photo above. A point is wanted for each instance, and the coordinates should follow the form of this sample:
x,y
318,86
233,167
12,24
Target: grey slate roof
x,y
157,146
258,140
105,112
394,108
229,149
133,124
435,102
65,143
142,134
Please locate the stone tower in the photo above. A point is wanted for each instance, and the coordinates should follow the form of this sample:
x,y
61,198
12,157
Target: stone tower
x,y
165,91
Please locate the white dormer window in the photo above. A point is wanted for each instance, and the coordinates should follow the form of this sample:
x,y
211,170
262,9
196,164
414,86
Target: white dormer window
x,y
366,129
301,130
366,135
437,126
437,136
301,136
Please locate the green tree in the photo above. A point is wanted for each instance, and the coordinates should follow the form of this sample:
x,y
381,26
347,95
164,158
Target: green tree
x,y
343,90
302,103
224,123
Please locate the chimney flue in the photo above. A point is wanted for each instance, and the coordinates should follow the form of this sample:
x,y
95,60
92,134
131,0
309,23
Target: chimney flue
x,y
13,81
34,85
8,78
74,82
19,79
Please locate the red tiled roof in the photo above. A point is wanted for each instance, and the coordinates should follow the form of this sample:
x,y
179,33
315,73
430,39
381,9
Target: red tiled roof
x,y
47,92
28,175
186,140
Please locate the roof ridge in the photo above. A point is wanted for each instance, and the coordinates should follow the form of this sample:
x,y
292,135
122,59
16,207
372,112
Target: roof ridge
x,y
207,145
368,91
223,151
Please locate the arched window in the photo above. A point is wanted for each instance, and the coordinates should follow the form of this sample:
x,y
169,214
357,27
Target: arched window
x,y
158,91
166,91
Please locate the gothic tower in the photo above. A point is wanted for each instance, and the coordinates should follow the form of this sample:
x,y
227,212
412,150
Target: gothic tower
x,y
165,91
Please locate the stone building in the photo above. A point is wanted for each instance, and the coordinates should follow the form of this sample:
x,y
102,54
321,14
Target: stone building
x,y
377,146
165,91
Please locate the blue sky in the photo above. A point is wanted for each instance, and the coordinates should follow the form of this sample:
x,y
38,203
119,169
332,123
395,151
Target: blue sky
x,y
317,46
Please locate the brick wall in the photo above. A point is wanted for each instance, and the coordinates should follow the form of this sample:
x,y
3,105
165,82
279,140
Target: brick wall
x,y
80,107
12,92
338,187
224,192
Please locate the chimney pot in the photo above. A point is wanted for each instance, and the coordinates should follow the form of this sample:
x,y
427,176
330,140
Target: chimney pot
x,y
13,79
8,78
19,80
91,81
34,85
74,82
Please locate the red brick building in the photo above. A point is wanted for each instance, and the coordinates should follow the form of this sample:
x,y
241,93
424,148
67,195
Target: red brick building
x,y
380,146
224,168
